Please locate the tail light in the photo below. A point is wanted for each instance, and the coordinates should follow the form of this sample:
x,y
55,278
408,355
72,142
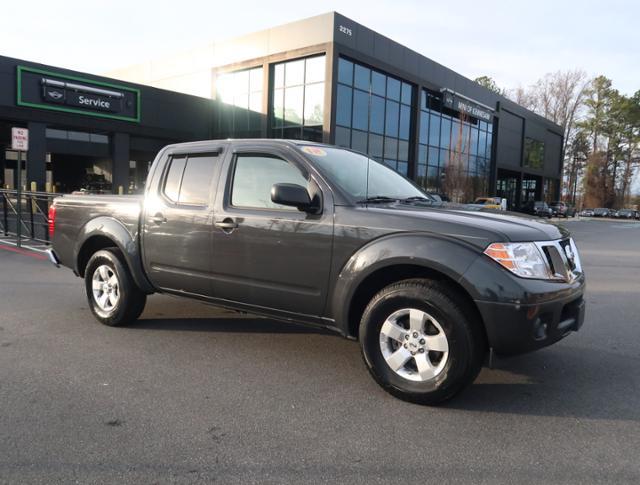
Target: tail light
x,y
52,220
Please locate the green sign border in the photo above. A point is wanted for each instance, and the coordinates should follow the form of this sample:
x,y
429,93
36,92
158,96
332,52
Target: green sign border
x,y
20,102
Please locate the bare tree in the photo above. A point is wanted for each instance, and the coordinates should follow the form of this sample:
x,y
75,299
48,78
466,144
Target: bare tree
x,y
558,96
457,184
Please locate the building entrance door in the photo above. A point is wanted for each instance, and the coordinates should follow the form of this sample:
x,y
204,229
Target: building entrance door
x,y
507,187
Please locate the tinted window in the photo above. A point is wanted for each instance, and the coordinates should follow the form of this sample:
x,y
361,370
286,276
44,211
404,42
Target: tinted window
x,y
393,89
378,83
173,179
377,115
345,71
361,110
188,180
392,115
361,79
255,175
196,181
343,106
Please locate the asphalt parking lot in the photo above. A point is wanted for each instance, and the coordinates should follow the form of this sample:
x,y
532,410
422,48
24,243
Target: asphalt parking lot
x,y
192,394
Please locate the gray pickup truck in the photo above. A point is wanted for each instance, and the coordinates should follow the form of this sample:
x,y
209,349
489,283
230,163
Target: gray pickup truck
x,y
328,237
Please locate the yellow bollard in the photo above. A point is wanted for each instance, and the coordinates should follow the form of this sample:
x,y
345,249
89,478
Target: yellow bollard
x,y
47,187
120,190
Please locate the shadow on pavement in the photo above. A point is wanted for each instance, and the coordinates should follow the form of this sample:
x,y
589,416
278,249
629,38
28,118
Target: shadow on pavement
x,y
234,323
563,382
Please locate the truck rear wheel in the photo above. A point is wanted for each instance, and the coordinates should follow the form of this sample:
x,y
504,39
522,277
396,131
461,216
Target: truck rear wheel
x,y
419,341
114,298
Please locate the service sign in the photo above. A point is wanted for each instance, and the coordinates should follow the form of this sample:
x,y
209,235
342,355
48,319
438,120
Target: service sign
x,y
38,88
19,139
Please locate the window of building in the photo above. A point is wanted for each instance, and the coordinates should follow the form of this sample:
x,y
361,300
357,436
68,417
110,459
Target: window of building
x,y
447,138
373,114
188,179
240,112
253,177
533,153
298,99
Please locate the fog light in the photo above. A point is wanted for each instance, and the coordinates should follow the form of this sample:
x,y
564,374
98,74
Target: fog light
x,y
539,330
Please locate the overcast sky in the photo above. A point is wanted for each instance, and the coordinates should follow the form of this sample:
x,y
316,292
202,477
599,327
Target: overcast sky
x,y
513,42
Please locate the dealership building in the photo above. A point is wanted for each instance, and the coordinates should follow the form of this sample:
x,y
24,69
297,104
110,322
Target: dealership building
x,y
326,79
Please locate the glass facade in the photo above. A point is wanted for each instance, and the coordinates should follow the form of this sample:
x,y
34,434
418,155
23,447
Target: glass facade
x,y
454,150
373,114
298,98
240,113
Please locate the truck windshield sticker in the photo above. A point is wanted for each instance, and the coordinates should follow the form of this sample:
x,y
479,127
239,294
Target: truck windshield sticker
x,y
318,152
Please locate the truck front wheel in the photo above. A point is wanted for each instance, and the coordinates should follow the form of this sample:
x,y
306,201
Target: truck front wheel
x,y
419,341
113,296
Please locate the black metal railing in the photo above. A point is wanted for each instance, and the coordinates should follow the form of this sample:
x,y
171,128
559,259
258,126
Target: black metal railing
x,y
25,215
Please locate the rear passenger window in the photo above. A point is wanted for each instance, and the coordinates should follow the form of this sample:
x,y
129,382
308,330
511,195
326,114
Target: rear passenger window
x,y
254,176
174,177
189,179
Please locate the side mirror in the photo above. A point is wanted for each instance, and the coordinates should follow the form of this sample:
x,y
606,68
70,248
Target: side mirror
x,y
291,194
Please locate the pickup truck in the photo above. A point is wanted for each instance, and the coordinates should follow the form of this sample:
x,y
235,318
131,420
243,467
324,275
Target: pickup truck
x,y
325,236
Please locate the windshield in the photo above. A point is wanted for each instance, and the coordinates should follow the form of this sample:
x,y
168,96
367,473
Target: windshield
x,y
361,177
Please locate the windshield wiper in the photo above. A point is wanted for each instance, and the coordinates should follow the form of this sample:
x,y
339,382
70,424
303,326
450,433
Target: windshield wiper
x,y
377,199
417,198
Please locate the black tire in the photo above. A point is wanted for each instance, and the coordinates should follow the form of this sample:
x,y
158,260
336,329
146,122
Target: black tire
x,y
130,300
466,340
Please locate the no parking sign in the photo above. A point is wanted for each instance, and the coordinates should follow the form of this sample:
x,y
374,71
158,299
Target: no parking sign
x,y
19,139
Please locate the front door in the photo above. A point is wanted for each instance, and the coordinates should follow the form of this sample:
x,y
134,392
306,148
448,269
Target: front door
x,y
267,254
177,224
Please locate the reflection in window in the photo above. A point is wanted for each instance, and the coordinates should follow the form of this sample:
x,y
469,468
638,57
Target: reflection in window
x,y
298,99
533,153
188,179
240,112
448,140
370,102
255,175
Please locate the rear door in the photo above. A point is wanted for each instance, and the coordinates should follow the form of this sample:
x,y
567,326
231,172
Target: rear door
x,y
265,254
177,223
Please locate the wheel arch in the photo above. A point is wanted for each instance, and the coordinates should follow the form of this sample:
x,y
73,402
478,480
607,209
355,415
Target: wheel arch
x,y
385,261
103,232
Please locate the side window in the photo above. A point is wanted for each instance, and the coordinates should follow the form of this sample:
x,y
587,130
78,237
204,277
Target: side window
x,y
174,178
254,176
188,179
196,181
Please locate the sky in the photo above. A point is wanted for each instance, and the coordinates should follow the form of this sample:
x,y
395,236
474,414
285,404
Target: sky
x,y
514,42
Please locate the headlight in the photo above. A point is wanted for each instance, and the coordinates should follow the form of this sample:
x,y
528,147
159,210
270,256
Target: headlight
x,y
523,259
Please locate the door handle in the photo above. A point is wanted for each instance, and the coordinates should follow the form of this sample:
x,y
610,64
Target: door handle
x,y
158,218
227,224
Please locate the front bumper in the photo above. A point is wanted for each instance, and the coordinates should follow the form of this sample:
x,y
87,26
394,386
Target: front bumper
x,y
520,314
515,329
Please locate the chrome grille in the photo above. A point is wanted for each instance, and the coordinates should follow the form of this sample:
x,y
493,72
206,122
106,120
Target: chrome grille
x,y
562,257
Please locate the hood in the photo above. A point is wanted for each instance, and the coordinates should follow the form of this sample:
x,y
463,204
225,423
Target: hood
x,y
484,226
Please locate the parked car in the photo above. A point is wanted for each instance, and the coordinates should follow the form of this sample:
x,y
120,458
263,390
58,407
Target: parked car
x,y
627,214
327,237
497,203
563,209
587,213
537,208
601,212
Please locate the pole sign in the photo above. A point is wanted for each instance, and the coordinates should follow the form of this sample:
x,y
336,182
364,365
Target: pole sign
x,y
19,139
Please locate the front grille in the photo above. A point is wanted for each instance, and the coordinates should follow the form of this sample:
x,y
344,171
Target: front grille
x,y
562,256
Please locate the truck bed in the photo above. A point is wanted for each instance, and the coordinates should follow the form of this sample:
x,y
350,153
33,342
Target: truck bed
x,y
73,212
